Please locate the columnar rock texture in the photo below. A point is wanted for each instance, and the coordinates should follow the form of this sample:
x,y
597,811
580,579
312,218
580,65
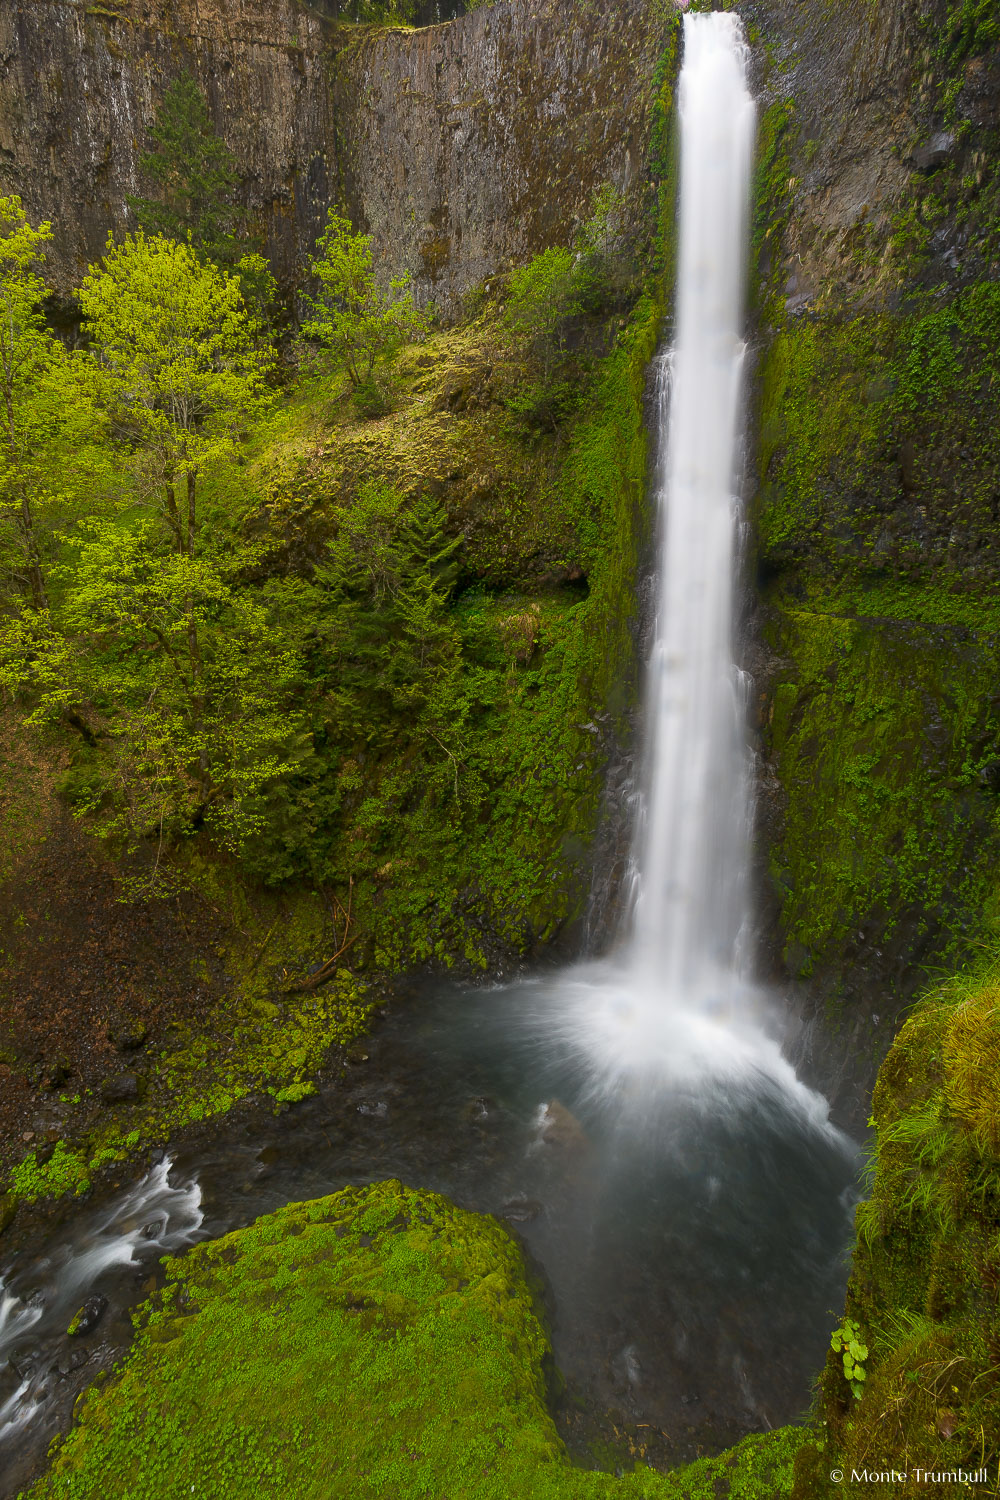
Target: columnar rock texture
x,y
469,146
464,147
878,477
80,84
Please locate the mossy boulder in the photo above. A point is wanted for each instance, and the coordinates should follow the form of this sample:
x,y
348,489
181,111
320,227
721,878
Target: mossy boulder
x,y
923,1292
375,1342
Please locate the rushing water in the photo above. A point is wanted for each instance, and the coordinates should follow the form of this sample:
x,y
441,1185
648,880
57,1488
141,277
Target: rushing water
x,y
682,1191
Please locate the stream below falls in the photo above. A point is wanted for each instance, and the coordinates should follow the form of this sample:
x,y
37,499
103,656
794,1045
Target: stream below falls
x,y
691,1256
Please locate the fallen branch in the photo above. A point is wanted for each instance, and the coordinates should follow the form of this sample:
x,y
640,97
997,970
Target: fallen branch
x,y
326,970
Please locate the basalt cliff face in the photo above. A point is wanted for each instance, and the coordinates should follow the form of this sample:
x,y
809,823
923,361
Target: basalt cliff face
x,y
877,479
463,147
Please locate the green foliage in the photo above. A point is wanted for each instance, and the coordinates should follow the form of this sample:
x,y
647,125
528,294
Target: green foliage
x,y
65,1171
179,367
971,27
147,641
863,425
355,322
188,679
771,193
49,428
908,826
551,306
879,565
193,174
846,1341
926,1266
543,296
274,1046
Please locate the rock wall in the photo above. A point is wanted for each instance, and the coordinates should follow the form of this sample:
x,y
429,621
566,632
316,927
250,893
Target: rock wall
x,y
462,146
80,84
469,146
876,504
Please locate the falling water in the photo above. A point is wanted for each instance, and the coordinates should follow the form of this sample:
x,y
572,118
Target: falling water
x,y
692,860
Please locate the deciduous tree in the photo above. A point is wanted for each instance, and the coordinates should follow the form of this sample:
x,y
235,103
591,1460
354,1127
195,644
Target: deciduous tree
x,y
357,322
179,367
47,421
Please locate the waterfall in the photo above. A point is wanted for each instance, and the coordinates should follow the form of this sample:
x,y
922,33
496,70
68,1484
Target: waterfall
x,y
673,1015
692,845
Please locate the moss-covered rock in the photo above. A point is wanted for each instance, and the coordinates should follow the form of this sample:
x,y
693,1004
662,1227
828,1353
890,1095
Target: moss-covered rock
x,y
923,1292
376,1342
878,471
884,736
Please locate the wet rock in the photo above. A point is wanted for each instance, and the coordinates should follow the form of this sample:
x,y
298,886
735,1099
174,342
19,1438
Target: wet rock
x,y
120,1088
44,1154
559,1127
357,1054
8,1208
56,1073
521,1210
71,1362
153,1229
127,1033
23,1364
88,1316
478,1109
936,153
374,1109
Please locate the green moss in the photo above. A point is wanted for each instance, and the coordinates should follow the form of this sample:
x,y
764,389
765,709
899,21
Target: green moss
x,y
771,194
880,465
375,1342
451,849
66,1171
251,1045
883,737
927,1263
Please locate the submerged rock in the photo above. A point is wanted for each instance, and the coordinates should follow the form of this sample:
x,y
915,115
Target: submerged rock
x,y
374,1109
521,1210
88,1316
559,1127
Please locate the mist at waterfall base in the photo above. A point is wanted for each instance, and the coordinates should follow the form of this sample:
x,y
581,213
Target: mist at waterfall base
x,y
682,1194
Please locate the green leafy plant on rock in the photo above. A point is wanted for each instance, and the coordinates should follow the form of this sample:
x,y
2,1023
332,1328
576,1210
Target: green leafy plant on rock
x,y
846,1341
